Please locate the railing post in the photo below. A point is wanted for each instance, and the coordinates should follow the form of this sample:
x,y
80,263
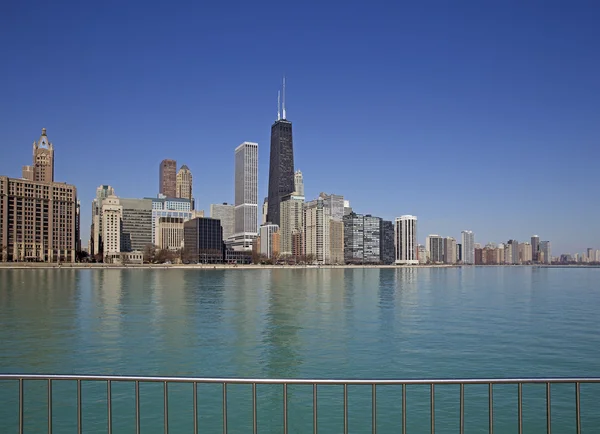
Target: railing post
x,y
432,395
195,391
49,406
224,408
345,408
137,407
374,408
548,410
166,403
285,409
577,408
21,407
520,410
79,408
491,406
315,408
109,405
404,408
462,408
254,410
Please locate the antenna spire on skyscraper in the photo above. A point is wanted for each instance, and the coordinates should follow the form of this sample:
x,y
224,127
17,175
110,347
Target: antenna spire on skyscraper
x,y
283,97
278,105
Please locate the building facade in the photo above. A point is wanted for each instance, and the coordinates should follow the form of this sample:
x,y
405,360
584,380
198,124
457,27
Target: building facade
x,y
362,239
449,250
269,240
546,250
435,249
226,213
102,192
535,247
169,207
136,232
281,166
203,241
292,220
183,183
298,183
468,247
335,204
246,196
42,169
387,246
167,183
406,240
112,220
170,233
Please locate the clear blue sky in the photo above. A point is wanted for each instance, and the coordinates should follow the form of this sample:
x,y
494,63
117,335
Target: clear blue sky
x,y
468,114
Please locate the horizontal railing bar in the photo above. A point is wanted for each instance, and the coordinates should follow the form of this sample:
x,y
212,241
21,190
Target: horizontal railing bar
x,y
324,381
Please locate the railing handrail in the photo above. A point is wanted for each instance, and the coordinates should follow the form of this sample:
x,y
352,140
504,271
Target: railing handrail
x,y
318,381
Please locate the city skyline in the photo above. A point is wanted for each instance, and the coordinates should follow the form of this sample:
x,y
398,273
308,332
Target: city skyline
x,y
470,96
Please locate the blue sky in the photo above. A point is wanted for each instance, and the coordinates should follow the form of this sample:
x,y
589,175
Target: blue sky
x,y
468,114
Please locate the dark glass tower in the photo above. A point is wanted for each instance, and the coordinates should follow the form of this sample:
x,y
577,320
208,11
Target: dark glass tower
x,y
281,166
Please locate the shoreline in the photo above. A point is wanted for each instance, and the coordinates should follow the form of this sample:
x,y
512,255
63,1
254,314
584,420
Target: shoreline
x,y
95,266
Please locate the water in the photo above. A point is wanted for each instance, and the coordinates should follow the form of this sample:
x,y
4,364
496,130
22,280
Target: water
x,y
317,323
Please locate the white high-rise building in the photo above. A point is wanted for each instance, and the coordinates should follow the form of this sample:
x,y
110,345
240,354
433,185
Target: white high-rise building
x,y
112,218
268,239
405,238
468,247
102,193
246,196
265,210
299,183
291,216
226,213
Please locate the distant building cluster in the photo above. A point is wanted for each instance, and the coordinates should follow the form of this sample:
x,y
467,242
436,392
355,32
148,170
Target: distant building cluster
x,y
40,221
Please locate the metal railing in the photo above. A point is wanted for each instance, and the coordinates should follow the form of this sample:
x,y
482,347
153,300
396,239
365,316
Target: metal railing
x,y
432,383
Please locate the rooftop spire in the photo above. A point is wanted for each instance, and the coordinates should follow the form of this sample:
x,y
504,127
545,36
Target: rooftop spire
x,y
278,105
283,97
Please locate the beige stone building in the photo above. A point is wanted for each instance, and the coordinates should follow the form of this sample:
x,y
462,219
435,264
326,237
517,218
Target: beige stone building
x,y
184,183
38,217
112,222
291,217
170,233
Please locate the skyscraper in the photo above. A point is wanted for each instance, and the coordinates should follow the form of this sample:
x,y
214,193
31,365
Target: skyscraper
x,y
281,163
434,246
168,178
42,169
246,196
102,192
468,247
362,239
183,188
292,220
535,247
226,213
112,221
406,240
449,250
546,250
387,249
299,183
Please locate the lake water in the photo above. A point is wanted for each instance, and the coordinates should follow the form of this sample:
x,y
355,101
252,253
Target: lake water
x,y
305,323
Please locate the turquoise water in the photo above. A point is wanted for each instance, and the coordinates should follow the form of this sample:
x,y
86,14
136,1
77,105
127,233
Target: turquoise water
x,y
317,323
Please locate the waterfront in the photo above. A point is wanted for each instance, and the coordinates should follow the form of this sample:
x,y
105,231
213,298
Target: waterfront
x,y
296,323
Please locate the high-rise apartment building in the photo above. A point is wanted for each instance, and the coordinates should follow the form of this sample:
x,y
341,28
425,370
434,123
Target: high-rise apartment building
x,y
458,252
316,231
535,247
292,220
335,204
348,210
387,247
265,211
362,239
281,163
546,250
434,245
38,217
422,254
170,233
246,196
406,240
167,184
525,253
513,245
468,247
136,231
226,213
299,183
183,183
269,240
112,220
449,250
102,192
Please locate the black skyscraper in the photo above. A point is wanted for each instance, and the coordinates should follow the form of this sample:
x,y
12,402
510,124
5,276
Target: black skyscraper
x,y
281,164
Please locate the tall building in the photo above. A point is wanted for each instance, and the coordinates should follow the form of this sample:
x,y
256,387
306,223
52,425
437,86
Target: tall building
x,y
362,239
246,196
203,240
590,255
170,233
169,207
281,163
335,204
546,249
167,185
458,252
38,217
292,220
265,211
269,240
183,184
348,210
299,183
434,246
387,248
468,247
449,250
535,247
112,220
226,213
42,169
136,232
406,240
102,192
336,242
314,230
525,253
513,245
422,254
